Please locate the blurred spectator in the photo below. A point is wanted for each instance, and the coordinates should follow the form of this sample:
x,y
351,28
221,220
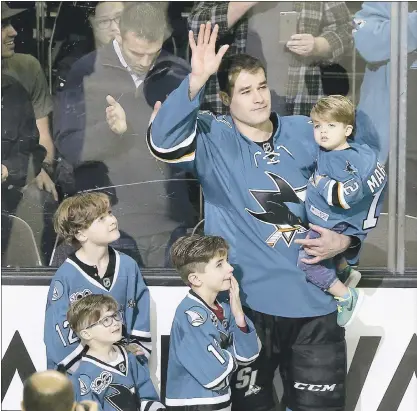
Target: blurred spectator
x,y
294,68
27,70
103,18
372,35
19,142
105,109
52,391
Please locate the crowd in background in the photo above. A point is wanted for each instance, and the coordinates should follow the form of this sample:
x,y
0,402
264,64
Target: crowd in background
x,y
83,128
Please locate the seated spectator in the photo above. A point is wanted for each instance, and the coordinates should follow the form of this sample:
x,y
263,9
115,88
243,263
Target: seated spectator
x,y
294,67
108,374
104,112
19,142
52,391
103,18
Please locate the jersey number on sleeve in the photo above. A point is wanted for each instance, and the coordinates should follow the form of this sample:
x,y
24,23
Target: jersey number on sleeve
x,y
72,338
210,348
371,219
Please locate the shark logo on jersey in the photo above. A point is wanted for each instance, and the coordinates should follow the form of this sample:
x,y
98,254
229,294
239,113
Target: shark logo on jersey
x,y
350,168
122,398
275,212
85,382
252,390
101,382
106,282
196,316
58,290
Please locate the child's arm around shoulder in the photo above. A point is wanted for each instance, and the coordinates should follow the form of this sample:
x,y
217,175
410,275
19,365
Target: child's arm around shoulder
x,y
139,303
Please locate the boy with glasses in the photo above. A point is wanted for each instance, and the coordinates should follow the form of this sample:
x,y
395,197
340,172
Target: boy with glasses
x,y
107,373
86,221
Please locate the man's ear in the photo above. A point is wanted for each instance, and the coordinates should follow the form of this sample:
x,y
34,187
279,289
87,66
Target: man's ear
x,y
224,97
348,130
194,280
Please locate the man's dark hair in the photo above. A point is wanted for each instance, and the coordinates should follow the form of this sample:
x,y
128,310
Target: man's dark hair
x,y
145,20
36,399
231,66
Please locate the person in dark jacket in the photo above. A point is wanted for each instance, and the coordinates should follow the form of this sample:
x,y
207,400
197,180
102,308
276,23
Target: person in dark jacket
x,y
19,143
104,113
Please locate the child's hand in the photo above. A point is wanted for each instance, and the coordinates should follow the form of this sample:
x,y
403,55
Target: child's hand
x,y
135,349
235,304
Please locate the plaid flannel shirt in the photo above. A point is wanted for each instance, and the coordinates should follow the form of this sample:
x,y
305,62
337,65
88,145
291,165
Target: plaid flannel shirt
x,y
216,12
331,20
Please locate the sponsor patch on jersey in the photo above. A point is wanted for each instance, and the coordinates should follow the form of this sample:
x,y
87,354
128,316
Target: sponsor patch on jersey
x,y
196,316
85,383
101,382
79,294
131,303
321,214
107,282
58,290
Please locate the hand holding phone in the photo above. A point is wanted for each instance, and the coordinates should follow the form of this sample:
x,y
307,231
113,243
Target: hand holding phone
x,y
287,25
302,44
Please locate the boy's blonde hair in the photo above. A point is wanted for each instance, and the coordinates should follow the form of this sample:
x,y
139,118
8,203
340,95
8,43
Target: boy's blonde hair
x,y
78,213
88,310
191,254
334,108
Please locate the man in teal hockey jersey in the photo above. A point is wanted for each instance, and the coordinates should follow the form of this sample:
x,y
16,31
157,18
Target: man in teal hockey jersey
x,y
254,166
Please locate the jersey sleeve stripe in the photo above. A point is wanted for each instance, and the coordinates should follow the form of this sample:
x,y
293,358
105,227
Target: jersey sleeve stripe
x,y
178,402
341,196
244,359
185,151
145,335
150,406
330,187
220,378
74,357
